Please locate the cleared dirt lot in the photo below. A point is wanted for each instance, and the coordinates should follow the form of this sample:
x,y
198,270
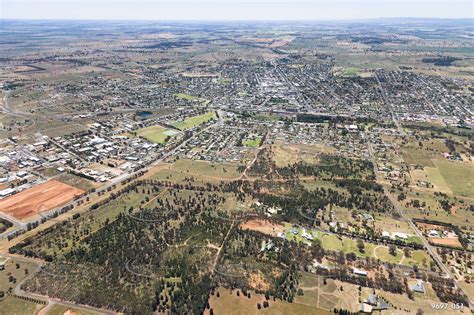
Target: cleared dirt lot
x,y
446,241
40,198
263,226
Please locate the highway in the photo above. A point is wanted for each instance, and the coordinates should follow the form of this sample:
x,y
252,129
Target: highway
x,y
434,255
117,180
114,181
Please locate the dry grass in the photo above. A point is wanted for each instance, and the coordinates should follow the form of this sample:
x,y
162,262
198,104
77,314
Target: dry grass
x,y
231,304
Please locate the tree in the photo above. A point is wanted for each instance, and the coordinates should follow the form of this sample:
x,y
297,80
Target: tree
x,y
360,246
392,249
407,252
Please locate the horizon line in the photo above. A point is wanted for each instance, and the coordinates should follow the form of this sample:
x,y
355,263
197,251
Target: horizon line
x,y
239,20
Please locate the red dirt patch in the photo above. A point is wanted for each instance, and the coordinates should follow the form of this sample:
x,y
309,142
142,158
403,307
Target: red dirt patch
x,y
454,209
257,282
263,226
40,198
446,241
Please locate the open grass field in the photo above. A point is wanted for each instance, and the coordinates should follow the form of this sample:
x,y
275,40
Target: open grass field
x,y
458,176
347,245
462,216
49,172
468,287
180,174
383,253
405,305
413,155
353,72
11,305
231,304
39,198
170,175
194,121
156,134
63,130
76,181
204,169
252,142
285,155
333,242
350,72
18,273
433,176
187,97
386,223
327,296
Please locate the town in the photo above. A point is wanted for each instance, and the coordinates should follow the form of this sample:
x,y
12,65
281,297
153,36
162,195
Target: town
x,y
180,169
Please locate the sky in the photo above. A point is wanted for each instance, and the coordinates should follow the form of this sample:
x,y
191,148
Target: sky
x,y
221,10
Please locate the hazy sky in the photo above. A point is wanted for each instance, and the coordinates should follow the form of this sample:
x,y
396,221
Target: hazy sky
x,y
233,9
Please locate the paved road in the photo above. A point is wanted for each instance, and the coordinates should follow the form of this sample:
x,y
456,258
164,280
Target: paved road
x,y
431,250
17,223
114,181
389,106
125,176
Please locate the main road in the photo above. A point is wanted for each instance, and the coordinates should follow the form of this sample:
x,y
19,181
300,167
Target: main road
x,y
389,106
114,181
434,255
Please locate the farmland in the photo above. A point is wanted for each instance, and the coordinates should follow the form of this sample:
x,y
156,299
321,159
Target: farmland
x,y
458,176
244,168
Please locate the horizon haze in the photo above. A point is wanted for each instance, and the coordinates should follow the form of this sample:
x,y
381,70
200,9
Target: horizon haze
x,y
233,10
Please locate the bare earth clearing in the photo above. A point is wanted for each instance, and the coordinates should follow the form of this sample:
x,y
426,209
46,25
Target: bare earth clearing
x,y
40,198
